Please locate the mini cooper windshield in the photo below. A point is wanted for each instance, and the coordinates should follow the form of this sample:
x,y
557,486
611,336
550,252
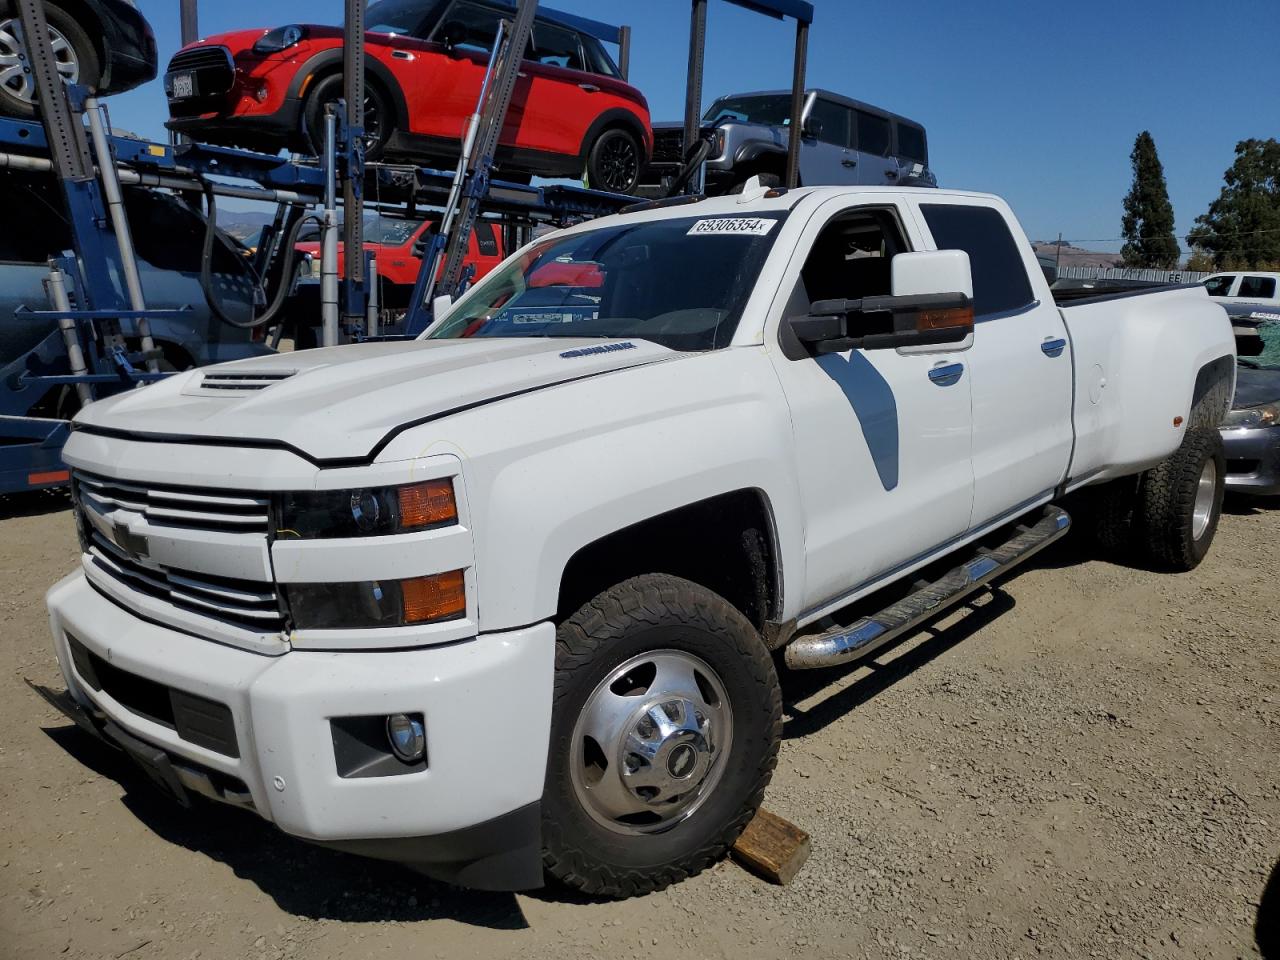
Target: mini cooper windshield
x,y
679,283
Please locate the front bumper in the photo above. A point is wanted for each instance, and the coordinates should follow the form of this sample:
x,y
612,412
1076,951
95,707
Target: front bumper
x,y
469,817
270,132
1253,460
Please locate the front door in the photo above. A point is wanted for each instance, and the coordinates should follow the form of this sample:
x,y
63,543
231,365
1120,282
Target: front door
x,y
825,155
882,437
1022,377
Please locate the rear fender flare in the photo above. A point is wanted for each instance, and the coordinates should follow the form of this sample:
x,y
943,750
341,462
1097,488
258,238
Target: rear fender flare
x,y
616,117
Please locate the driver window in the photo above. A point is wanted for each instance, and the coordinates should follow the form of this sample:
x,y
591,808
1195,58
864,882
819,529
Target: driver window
x,y
851,260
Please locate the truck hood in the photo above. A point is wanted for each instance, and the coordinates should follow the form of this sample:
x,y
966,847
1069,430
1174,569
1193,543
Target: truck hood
x,y
342,403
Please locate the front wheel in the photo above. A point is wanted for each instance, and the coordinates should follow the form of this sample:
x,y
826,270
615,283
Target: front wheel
x,y
614,162
379,123
664,734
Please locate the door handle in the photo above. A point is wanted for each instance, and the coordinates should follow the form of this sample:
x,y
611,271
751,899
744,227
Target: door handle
x,y
849,163
1053,346
589,87
891,174
945,374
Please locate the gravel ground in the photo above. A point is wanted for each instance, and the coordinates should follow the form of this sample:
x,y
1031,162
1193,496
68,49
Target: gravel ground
x,y
1082,763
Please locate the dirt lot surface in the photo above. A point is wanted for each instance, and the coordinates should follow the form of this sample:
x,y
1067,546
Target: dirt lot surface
x,y
1081,764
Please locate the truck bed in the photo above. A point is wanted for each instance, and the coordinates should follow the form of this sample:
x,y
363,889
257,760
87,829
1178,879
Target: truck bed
x,y
1083,295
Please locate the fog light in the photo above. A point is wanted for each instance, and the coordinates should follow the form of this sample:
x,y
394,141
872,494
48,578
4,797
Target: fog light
x,y
407,736
261,94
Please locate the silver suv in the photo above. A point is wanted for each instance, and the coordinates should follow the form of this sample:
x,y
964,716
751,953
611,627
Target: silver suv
x,y
844,142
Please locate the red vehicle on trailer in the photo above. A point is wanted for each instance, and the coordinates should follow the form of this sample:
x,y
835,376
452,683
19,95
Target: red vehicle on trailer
x,y
572,114
398,244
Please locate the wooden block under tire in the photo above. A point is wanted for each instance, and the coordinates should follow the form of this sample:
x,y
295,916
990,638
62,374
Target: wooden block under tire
x,y
774,848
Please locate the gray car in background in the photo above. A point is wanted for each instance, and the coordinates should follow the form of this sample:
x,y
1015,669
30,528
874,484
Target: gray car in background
x,y
844,141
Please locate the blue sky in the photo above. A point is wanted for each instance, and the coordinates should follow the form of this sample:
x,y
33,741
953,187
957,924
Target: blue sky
x,y
1037,102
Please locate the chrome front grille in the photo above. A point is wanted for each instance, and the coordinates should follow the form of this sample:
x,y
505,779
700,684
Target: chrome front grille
x,y
243,603
193,508
199,57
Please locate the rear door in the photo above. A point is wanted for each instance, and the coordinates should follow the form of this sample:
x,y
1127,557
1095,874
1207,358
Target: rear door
x,y
1021,361
560,98
873,134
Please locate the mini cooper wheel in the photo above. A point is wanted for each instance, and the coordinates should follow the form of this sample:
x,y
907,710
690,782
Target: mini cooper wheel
x,y
379,122
73,53
665,730
614,162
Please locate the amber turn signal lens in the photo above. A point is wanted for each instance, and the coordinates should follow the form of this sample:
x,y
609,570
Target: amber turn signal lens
x,y
943,319
438,597
427,504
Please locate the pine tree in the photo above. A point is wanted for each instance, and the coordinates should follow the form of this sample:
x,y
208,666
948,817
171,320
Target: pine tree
x,y
1148,214
1242,227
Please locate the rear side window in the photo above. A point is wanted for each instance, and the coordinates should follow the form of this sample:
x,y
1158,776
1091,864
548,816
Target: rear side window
x,y
873,134
1000,283
555,47
1219,286
1263,288
911,143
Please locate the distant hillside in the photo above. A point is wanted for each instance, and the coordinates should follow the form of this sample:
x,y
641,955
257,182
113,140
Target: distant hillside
x,y
1075,256
243,224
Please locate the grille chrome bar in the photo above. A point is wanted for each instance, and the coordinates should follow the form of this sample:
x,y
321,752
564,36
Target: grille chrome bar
x,y
245,604
195,508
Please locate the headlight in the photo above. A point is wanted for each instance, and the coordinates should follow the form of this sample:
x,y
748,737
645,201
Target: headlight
x,y
281,38
370,512
378,603
717,146
1263,415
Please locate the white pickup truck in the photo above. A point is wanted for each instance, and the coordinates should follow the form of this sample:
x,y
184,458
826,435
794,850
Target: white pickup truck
x,y
507,601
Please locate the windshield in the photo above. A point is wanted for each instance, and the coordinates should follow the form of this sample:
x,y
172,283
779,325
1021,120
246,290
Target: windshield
x,y
388,231
773,109
679,283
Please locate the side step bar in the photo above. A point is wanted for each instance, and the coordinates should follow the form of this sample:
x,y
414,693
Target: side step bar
x,y
846,644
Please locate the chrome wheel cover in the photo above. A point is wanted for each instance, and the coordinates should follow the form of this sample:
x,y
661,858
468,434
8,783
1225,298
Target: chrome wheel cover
x,y
16,77
1202,511
651,742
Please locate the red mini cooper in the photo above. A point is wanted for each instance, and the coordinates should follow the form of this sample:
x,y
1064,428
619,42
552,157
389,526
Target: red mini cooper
x,y
572,112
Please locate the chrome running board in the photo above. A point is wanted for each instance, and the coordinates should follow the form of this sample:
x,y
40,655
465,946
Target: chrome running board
x,y
846,644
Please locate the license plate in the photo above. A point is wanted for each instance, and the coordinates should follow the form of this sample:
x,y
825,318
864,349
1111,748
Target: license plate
x,y
184,85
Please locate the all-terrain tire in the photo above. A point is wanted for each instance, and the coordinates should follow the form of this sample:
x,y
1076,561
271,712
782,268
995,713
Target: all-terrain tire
x,y
1180,502
86,54
663,613
1112,509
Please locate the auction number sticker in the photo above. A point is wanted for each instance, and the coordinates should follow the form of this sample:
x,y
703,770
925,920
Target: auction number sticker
x,y
728,226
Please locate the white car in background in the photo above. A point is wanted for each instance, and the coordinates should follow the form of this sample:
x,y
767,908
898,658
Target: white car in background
x,y
1250,286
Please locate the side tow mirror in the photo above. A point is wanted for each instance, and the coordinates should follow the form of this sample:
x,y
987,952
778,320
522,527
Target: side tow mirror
x,y
811,128
914,321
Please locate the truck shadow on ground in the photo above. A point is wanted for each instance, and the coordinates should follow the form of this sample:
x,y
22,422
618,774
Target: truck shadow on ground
x,y
885,667
304,880
38,503
1266,931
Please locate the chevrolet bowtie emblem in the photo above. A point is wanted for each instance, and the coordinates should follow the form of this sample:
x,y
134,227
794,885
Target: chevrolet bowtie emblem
x,y
134,544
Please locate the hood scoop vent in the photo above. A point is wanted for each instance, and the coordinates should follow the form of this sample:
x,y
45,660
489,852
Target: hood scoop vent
x,y
225,382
